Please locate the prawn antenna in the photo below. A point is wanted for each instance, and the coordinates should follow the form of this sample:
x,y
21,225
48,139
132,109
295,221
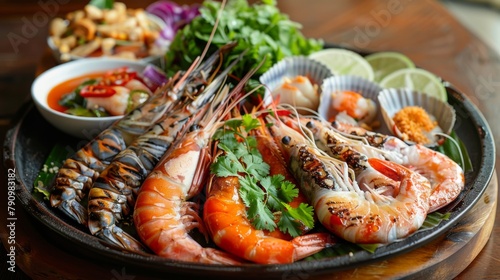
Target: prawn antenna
x,y
216,24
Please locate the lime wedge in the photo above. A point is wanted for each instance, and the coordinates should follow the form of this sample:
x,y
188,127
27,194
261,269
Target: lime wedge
x,y
416,79
385,63
344,62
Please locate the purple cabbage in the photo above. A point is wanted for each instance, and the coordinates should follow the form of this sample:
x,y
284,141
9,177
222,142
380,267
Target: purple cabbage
x,y
175,17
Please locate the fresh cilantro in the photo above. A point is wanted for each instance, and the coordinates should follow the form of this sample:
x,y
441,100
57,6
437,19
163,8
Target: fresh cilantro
x,y
259,28
265,197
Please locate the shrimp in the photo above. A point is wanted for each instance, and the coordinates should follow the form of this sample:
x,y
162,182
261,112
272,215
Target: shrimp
x,y
226,220
163,216
446,176
335,144
112,196
343,208
115,104
77,173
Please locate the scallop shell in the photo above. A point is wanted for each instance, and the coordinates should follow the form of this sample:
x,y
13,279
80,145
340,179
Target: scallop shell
x,y
392,100
291,67
366,88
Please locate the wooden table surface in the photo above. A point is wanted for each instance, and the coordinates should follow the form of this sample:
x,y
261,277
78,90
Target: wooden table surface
x,y
423,30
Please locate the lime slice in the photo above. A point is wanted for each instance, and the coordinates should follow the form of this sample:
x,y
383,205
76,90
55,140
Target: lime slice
x,y
344,62
385,63
416,79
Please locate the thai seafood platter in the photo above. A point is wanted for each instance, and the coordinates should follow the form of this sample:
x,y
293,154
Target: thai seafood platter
x,y
237,158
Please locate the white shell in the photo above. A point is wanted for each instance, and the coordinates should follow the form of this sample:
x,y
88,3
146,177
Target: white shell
x,y
366,88
392,100
291,67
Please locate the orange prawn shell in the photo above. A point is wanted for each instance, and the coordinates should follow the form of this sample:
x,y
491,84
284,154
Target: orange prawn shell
x,y
225,219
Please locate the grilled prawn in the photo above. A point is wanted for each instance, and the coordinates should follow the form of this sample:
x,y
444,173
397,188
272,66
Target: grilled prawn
x,y
446,176
163,214
342,207
226,219
77,174
113,194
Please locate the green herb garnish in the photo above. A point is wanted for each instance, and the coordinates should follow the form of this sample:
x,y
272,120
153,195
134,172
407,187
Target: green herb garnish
x,y
266,197
259,28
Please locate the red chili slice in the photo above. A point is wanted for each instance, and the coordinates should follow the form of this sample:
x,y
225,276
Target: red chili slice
x,y
97,91
119,76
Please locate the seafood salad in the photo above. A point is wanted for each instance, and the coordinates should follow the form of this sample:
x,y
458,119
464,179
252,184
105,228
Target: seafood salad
x,y
205,174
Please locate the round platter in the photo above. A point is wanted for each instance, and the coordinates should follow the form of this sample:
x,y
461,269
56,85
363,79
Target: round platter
x,y
28,143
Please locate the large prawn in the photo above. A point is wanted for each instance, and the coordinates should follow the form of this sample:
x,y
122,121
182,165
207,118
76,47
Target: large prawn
x,y
342,207
225,216
113,194
226,219
77,173
446,176
163,214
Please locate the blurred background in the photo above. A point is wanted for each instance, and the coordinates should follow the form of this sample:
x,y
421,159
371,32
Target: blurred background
x,y
482,17
19,54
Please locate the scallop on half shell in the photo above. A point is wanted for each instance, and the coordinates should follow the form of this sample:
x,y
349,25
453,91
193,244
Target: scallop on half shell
x,y
296,81
350,98
410,124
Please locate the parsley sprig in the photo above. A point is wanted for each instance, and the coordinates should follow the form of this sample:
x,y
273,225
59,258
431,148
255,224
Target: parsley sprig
x,y
266,197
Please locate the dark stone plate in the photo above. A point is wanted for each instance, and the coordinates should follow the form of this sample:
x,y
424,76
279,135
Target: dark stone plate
x,y
30,140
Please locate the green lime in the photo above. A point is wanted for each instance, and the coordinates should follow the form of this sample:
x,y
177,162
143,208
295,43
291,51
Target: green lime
x,y
418,80
385,63
344,62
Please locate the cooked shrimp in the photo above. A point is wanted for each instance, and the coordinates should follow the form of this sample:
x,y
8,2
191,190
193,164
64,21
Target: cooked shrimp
x,y
446,176
336,145
163,215
343,208
113,194
77,174
226,219
115,104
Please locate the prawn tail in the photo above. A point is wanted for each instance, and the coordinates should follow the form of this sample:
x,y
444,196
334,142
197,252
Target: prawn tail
x,y
102,223
116,236
215,256
71,207
307,245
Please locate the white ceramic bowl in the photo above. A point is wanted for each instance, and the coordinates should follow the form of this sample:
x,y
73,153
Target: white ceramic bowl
x,y
81,127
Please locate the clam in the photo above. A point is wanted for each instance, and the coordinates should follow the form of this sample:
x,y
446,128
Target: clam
x,y
408,114
350,97
295,81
